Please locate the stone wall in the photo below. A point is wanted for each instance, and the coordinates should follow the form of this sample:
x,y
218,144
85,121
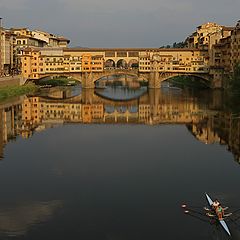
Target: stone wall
x,y
11,81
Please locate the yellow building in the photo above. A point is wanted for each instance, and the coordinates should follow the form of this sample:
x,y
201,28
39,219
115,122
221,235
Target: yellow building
x,y
25,38
201,37
40,62
170,60
235,46
7,52
225,56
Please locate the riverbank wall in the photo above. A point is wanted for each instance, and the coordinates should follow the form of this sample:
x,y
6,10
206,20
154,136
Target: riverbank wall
x,y
16,80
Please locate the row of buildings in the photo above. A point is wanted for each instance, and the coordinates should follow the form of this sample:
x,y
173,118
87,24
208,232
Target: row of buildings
x,y
212,49
41,62
223,46
14,40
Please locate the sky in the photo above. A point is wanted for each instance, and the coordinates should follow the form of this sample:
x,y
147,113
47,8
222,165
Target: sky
x,y
122,23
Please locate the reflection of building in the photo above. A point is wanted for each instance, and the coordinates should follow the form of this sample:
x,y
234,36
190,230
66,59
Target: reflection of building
x,y
29,114
10,121
224,128
92,113
228,128
204,131
17,219
164,109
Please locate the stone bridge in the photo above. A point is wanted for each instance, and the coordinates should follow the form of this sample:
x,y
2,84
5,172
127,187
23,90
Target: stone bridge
x,y
154,78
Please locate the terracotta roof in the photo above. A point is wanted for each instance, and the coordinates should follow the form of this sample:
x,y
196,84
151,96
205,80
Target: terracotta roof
x,y
132,49
227,28
63,39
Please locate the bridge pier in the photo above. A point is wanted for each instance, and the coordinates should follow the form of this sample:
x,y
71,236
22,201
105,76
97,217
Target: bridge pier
x,y
87,80
154,77
87,96
154,80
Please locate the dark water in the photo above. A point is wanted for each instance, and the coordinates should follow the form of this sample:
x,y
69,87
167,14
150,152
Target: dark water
x,y
78,165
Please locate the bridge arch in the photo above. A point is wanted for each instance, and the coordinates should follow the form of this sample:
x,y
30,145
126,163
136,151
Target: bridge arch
x,y
133,64
110,64
202,80
75,76
122,64
114,73
200,76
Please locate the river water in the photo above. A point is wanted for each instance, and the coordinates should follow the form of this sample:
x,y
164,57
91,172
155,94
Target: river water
x,y
116,164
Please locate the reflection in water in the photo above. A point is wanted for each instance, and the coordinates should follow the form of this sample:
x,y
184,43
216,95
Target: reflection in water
x,y
120,93
18,220
203,115
111,190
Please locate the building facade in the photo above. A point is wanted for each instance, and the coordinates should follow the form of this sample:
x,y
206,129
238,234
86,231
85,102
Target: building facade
x,y
14,40
42,62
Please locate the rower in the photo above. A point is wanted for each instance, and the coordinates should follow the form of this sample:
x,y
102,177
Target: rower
x,y
220,212
215,204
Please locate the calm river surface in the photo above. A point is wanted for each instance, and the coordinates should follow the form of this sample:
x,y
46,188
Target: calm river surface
x,y
116,164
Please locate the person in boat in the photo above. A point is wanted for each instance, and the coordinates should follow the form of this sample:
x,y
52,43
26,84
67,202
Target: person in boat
x,y
220,212
215,204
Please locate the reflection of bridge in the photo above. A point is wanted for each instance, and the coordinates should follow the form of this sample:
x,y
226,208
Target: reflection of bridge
x,y
26,115
154,107
152,65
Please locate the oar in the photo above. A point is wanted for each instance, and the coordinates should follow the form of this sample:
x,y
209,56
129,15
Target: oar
x,y
197,217
184,206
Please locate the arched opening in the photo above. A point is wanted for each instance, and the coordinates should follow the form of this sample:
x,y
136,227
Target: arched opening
x,y
109,64
189,81
133,64
57,80
121,109
120,94
109,108
122,64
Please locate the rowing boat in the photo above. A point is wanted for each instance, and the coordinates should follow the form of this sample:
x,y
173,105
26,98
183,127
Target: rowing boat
x,y
222,222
